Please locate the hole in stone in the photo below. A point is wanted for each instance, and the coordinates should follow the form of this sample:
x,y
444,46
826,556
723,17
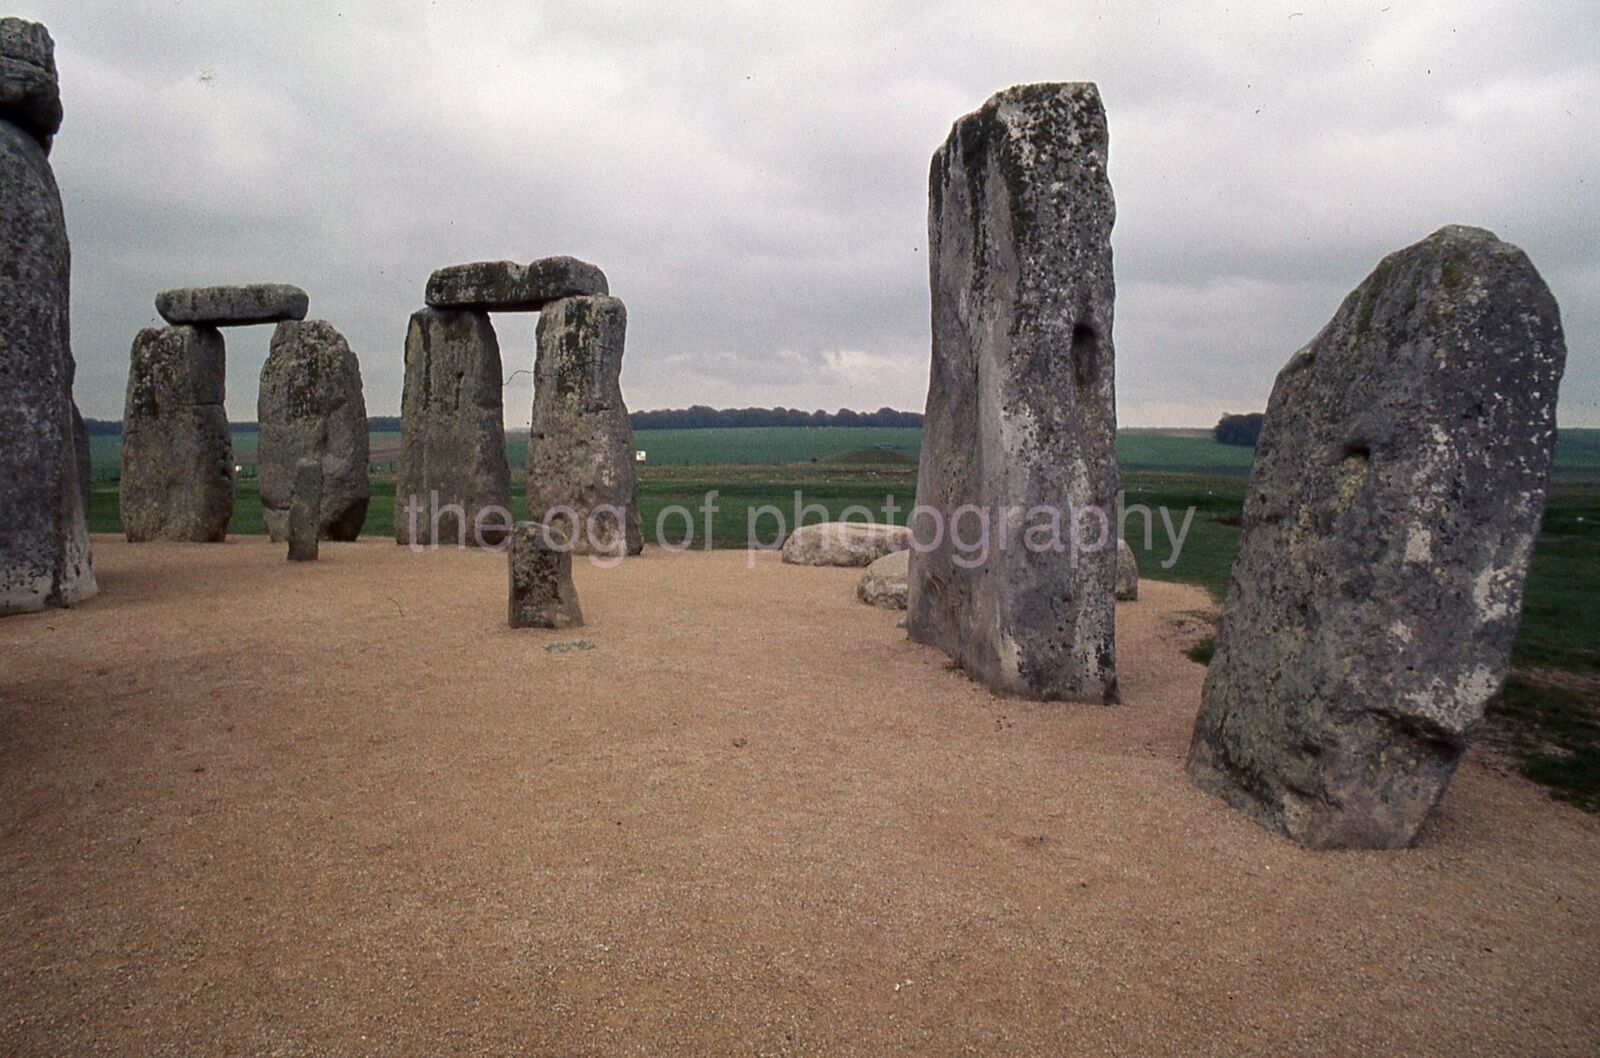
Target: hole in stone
x,y
1085,354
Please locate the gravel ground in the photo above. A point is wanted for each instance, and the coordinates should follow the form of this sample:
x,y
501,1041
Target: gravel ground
x,y
249,807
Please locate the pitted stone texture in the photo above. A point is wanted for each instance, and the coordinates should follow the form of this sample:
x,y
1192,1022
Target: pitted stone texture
x,y
844,543
505,286
311,405
30,94
1127,573
177,451
44,542
83,455
1021,408
884,582
1394,502
542,595
581,473
305,511
233,306
452,434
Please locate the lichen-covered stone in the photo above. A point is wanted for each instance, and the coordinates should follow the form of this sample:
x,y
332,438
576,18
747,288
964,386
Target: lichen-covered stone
x,y
44,542
30,94
505,286
542,595
1127,573
233,306
581,472
311,404
884,582
177,451
844,543
1394,502
305,511
452,433
1021,409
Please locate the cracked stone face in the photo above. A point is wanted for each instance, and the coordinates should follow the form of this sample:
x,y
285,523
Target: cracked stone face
x,y
1396,494
452,432
311,405
30,94
1021,407
505,286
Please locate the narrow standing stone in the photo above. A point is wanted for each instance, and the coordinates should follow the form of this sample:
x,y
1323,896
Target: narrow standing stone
x,y
452,434
542,595
581,473
44,540
311,404
305,510
1021,406
177,451
1393,506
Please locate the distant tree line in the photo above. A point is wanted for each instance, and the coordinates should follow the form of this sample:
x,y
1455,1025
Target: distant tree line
x,y
1243,430
701,417
698,417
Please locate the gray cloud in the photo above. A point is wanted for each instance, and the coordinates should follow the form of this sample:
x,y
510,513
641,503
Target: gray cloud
x,y
753,177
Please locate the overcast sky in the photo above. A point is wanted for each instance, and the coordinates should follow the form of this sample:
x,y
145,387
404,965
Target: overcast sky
x,y
753,177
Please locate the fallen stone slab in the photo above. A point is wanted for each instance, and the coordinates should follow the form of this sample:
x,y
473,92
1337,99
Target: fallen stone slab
x,y
1394,501
305,509
453,487
542,595
1127,573
44,541
505,286
884,582
582,477
30,94
311,404
233,306
844,543
177,450
1021,401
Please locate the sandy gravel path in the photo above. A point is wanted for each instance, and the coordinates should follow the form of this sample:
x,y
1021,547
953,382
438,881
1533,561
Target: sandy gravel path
x,y
248,807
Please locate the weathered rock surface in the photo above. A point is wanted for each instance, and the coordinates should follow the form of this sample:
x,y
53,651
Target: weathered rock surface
x,y
452,433
30,95
305,511
311,404
884,582
1021,407
233,306
44,542
505,286
844,543
1127,573
542,595
1394,502
177,451
581,473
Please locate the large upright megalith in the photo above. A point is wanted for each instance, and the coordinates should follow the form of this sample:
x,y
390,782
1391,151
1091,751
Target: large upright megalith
x,y
581,474
311,404
177,451
44,541
453,475
1394,502
1021,415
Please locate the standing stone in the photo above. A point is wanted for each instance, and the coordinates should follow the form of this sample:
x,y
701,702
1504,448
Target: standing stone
x,y
1127,573
542,595
1394,502
177,451
44,541
311,405
305,510
1021,411
84,455
452,434
580,452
